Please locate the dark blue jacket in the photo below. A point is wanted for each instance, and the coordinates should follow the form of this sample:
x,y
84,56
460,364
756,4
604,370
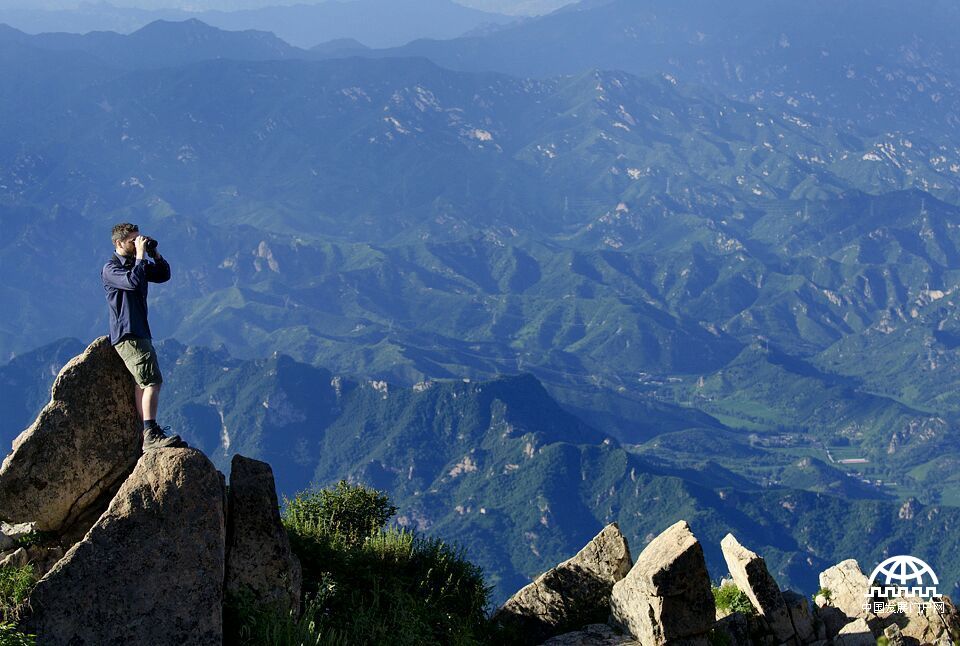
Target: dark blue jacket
x,y
125,283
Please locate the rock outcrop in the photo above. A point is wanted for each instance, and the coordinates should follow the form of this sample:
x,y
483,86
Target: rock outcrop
x,y
917,621
83,443
592,635
803,620
856,633
150,571
848,587
750,574
573,594
259,560
666,596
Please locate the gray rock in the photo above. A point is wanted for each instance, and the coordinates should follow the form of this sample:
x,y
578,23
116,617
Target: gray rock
x,y
259,558
592,635
16,558
918,621
44,557
856,633
83,442
737,629
831,619
666,596
848,587
573,594
150,571
800,615
10,533
750,574
894,636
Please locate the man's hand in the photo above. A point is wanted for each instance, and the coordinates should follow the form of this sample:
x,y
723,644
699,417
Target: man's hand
x,y
141,244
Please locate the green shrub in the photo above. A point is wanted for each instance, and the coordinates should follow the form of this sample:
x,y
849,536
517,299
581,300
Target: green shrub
x,y
35,538
15,586
377,585
730,598
10,636
349,512
826,593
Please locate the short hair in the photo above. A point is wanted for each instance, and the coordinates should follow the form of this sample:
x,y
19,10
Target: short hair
x,y
122,230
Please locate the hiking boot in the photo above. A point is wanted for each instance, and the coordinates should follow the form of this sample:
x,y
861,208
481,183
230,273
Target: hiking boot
x,y
155,438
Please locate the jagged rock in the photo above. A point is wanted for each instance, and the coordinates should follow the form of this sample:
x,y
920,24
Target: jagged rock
x,y
800,615
83,442
750,574
592,635
855,633
666,596
919,621
10,533
894,636
150,571
832,619
737,629
44,557
259,558
16,558
848,587
571,595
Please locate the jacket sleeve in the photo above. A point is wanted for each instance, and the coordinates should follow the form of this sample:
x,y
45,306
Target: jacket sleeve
x,y
126,279
159,270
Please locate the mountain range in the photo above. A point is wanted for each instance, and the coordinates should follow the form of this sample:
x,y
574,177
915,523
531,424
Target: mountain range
x,y
703,264
376,23
880,65
501,469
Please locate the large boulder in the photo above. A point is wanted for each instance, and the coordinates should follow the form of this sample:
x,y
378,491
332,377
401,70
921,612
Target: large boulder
x,y
150,571
571,595
847,586
800,615
79,448
856,633
750,574
666,596
592,635
922,620
259,559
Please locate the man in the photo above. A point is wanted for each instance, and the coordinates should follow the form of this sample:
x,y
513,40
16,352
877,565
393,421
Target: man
x,y
126,275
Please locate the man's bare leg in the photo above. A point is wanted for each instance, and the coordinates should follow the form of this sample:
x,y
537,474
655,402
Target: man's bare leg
x,y
139,401
150,402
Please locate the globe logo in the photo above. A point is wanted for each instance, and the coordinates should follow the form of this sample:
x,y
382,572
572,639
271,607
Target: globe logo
x,y
903,576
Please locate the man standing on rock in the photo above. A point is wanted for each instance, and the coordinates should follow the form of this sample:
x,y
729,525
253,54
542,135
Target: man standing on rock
x,y
134,264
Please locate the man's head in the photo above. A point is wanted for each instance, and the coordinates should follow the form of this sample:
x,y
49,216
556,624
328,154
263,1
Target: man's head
x,y
123,236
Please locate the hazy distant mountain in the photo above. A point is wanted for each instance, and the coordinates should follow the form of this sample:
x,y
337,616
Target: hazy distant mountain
x,y
339,47
517,7
376,23
883,65
160,44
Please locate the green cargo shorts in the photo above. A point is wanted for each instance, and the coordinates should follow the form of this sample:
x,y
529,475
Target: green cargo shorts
x,y
141,360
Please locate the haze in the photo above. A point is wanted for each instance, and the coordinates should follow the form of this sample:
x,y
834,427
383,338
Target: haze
x,y
512,7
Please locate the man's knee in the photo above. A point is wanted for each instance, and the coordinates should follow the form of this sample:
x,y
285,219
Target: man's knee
x,y
140,358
